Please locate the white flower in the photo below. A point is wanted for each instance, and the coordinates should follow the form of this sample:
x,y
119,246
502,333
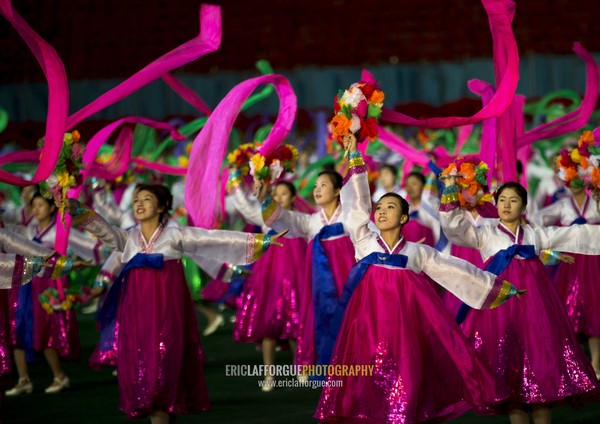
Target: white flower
x,y
594,160
562,174
352,97
52,181
276,169
251,168
355,125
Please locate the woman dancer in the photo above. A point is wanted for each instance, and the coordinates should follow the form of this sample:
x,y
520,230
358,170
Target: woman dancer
x,y
328,261
34,329
160,360
577,283
529,344
268,305
420,367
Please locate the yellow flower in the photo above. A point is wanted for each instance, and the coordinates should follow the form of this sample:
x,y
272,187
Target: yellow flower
x,y
183,161
231,157
63,179
68,138
258,161
575,155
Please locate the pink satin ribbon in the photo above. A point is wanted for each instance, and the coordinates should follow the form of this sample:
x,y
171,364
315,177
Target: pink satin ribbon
x,y
208,150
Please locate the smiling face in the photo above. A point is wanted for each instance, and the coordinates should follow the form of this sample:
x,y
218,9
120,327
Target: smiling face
x,y
145,206
388,214
283,196
41,209
324,192
510,206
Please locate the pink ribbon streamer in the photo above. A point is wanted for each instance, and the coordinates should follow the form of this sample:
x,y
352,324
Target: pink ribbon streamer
x,y
463,135
58,97
206,42
487,151
576,119
500,13
209,146
399,145
119,161
187,93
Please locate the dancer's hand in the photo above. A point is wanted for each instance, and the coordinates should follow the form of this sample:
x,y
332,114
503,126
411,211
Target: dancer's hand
x,y
519,293
350,143
568,259
449,179
67,204
260,189
276,236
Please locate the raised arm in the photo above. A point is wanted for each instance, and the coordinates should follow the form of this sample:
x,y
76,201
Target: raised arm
x,y
455,226
250,210
356,201
85,247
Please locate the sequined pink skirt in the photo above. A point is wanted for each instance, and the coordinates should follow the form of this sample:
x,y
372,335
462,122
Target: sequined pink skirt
x,y
161,363
423,367
106,351
340,254
268,305
578,287
529,341
216,290
5,350
58,330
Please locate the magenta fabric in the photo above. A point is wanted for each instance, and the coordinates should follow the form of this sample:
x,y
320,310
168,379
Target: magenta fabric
x,y
186,93
5,336
215,290
58,97
209,146
487,151
424,369
576,119
56,331
530,343
206,42
464,133
578,287
500,14
399,145
340,254
414,231
269,303
119,160
161,362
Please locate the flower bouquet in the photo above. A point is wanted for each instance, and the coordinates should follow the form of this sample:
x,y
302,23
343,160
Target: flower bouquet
x,y
240,157
580,167
274,166
67,173
471,181
357,110
52,301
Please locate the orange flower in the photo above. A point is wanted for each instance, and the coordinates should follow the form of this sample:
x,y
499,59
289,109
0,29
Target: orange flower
x,y
583,162
76,136
571,174
377,97
340,126
468,170
449,169
587,137
596,177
